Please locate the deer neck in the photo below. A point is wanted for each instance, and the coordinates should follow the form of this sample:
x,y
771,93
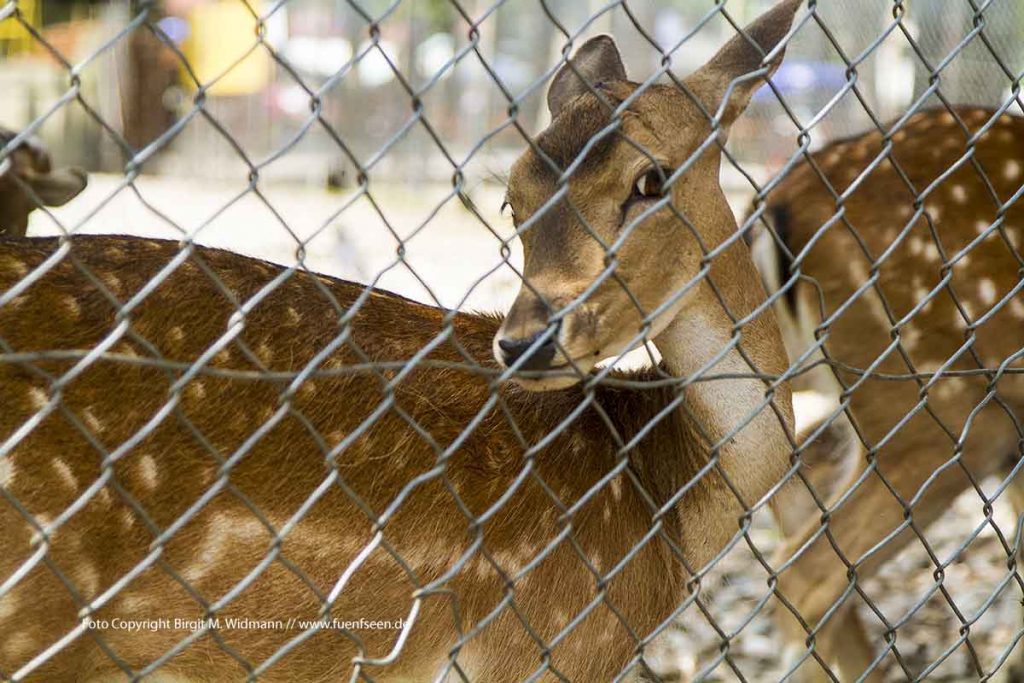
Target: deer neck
x,y
746,434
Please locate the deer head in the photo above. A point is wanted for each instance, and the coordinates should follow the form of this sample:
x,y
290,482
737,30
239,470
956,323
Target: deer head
x,y
28,181
628,230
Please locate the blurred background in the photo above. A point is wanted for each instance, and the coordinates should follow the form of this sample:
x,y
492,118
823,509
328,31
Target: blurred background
x,y
335,133
299,96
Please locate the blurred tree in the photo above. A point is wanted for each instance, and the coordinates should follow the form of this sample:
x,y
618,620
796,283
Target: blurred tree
x,y
151,69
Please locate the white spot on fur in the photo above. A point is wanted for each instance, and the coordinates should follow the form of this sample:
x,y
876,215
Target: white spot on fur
x,y
86,578
126,349
37,398
968,311
987,290
112,282
482,568
859,271
982,226
264,353
127,518
1012,170
959,194
222,532
9,264
65,475
91,421
1017,307
43,521
292,316
196,390
921,294
103,497
949,388
1013,236
134,603
6,471
934,211
176,335
19,645
148,475
616,488
909,337
223,357
916,246
70,306
8,604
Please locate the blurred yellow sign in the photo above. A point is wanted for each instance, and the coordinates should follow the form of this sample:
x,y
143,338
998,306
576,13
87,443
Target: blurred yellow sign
x,y
222,32
14,34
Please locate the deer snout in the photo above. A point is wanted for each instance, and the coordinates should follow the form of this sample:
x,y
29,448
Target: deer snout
x,y
535,352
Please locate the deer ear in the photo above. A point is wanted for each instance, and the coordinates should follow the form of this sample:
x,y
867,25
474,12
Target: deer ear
x,y
743,54
597,61
58,187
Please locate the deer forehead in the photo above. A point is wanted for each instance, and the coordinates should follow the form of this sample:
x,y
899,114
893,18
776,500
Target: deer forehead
x,y
583,137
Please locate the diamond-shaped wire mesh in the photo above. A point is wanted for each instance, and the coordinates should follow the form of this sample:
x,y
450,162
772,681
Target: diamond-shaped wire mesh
x,y
229,451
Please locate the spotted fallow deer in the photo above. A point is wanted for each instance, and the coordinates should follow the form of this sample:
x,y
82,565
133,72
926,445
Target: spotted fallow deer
x,y
873,285
28,181
247,442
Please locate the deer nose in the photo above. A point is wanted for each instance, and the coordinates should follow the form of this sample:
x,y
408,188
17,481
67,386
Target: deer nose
x,y
540,358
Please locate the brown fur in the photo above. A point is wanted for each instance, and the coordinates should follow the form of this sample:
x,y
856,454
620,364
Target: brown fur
x,y
929,145
481,540
287,464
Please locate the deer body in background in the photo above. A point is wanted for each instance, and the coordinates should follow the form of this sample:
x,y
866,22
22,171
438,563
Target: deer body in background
x,y
29,171
391,490
946,330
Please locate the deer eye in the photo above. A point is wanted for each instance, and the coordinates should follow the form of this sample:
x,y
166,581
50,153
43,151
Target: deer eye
x,y
650,184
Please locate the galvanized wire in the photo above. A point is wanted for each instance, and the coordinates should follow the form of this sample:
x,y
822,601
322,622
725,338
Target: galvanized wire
x,y
806,132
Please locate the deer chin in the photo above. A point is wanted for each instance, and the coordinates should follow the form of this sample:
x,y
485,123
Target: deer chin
x,y
561,376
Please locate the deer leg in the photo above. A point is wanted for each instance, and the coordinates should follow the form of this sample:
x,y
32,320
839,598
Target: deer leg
x,y
1012,670
828,461
818,580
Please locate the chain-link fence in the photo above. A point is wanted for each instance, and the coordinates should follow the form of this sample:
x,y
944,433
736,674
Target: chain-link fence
x,y
219,467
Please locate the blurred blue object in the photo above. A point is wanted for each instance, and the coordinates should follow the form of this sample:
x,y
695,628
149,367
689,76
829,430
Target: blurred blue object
x,y
176,28
799,76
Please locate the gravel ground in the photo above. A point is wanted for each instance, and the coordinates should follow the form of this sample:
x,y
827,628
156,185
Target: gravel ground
x,y
691,649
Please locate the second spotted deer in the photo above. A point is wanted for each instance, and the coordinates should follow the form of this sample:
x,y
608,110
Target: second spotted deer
x,y
194,435
919,282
